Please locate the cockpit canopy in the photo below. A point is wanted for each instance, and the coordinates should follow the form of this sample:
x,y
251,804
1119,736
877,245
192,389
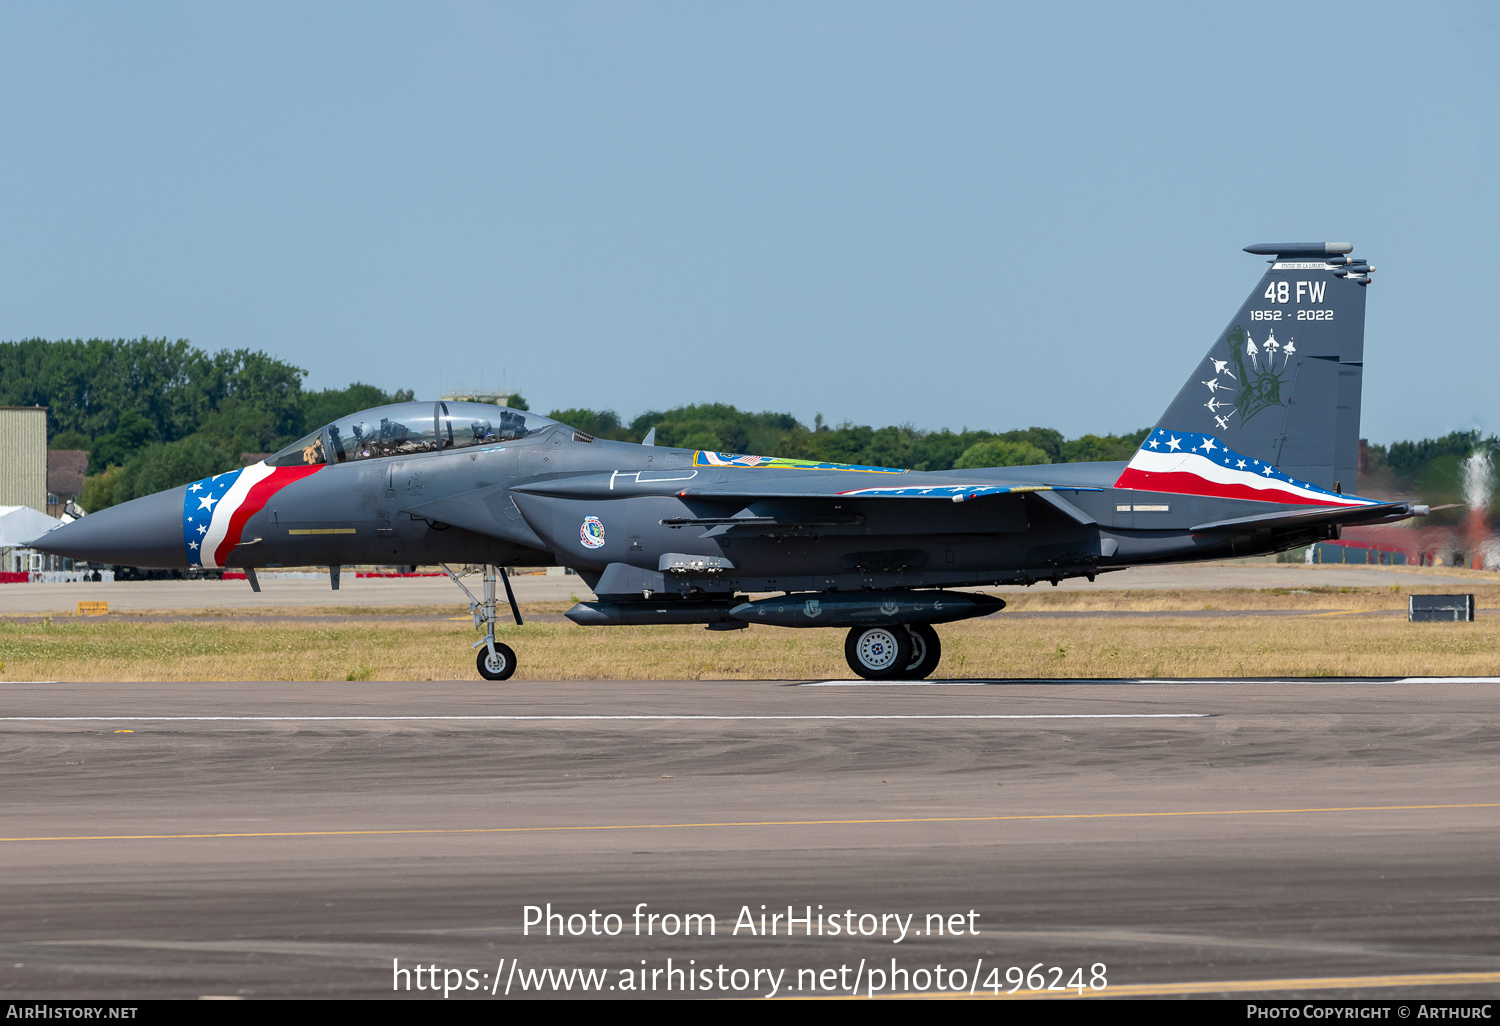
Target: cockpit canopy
x,y
409,428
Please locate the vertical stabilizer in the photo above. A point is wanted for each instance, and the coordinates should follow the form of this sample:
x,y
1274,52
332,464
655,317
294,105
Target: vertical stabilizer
x,y
1277,396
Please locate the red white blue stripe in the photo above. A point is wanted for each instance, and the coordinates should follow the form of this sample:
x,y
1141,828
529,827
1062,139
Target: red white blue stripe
x,y
1188,463
216,509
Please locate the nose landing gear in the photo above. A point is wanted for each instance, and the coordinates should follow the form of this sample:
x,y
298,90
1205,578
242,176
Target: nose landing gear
x,y
496,660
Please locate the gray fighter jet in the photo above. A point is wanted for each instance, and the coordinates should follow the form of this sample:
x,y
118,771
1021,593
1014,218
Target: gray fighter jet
x,y
1253,456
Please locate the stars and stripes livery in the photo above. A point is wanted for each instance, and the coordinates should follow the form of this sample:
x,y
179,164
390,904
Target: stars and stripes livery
x,y
215,510
1188,463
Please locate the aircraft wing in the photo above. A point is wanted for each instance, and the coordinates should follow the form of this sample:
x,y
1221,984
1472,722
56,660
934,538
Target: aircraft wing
x,y
953,493
689,485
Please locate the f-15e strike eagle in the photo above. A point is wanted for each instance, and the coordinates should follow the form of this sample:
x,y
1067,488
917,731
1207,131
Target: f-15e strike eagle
x,y
1253,456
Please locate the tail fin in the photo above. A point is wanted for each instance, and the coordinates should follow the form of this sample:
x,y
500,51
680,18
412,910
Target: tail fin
x,y
1280,387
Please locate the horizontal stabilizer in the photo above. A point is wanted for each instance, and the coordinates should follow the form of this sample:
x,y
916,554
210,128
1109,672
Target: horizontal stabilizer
x,y
1384,512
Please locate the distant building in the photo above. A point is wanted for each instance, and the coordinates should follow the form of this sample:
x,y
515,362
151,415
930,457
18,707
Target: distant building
x,y
20,525
23,457
493,398
65,472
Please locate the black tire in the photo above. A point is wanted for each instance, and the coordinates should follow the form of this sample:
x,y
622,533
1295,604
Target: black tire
x,y
878,653
501,666
926,651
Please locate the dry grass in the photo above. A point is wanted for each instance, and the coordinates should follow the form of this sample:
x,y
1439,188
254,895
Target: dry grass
x,y
450,609
392,649
1041,598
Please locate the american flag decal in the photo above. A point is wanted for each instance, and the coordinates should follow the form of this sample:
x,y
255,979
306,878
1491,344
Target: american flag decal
x,y
215,510
1188,463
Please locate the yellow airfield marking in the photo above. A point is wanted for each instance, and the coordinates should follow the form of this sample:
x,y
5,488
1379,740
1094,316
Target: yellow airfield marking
x,y
1228,986
758,823
1340,612
1306,983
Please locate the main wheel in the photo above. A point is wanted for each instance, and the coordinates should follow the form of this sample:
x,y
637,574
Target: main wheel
x,y
878,653
498,666
926,651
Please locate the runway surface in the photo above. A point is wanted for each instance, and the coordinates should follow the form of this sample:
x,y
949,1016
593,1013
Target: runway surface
x,y
1226,837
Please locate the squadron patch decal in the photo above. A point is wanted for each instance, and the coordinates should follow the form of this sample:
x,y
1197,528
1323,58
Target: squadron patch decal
x,y
591,533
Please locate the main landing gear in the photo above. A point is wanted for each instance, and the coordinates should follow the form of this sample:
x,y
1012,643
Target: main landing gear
x,y
899,652
496,660
926,651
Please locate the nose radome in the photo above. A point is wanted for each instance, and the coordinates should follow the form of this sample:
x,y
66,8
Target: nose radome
x,y
142,532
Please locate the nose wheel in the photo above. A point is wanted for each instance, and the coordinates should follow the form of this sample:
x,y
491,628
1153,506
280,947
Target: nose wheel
x,y
496,661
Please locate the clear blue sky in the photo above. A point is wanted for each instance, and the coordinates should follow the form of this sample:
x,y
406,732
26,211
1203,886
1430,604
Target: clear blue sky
x,y
947,214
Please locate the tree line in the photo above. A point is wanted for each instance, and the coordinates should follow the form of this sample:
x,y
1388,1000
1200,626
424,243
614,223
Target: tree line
x,y
719,427
155,413
1431,469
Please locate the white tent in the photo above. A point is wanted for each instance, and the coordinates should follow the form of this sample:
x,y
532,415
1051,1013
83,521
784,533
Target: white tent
x,y
22,524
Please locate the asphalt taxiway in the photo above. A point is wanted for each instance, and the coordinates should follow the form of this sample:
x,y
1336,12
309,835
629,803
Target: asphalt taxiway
x,y
1219,837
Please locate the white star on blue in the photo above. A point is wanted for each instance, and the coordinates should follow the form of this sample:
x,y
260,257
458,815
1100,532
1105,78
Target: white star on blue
x,y
1203,443
197,516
